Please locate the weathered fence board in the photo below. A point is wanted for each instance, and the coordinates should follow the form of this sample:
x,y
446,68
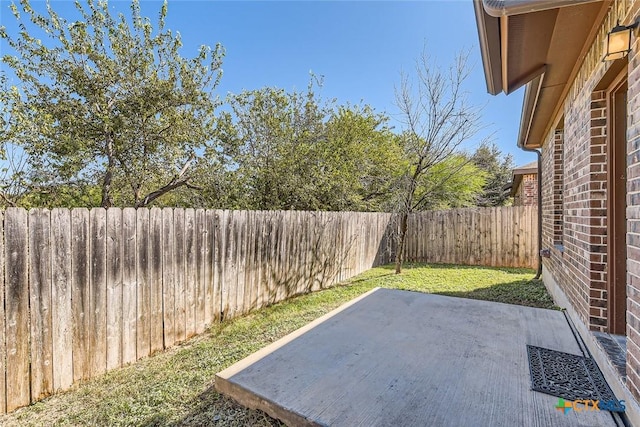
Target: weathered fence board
x,y
190,276
209,262
221,265
200,235
155,253
62,316
40,300
84,291
249,265
184,315
98,285
168,281
240,246
143,282
114,287
129,286
17,308
214,218
80,293
231,264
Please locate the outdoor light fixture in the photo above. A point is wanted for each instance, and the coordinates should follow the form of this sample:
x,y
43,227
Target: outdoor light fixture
x,y
618,42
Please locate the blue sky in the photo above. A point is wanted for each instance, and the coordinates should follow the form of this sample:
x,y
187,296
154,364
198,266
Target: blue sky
x,y
358,47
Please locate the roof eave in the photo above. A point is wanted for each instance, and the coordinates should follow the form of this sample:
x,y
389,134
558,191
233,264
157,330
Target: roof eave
x,y
529,103
528,171
489,37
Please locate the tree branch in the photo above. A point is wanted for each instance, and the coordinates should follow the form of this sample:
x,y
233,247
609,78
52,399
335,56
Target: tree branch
x,y
179,180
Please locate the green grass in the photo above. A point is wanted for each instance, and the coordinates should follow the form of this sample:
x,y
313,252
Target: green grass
x,y
176,387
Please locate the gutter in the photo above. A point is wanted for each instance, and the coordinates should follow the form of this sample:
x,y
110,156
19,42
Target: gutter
x,y
529,103
533,150
500,8
531,95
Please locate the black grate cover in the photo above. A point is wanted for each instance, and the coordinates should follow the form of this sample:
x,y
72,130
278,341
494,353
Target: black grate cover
x,y
566,375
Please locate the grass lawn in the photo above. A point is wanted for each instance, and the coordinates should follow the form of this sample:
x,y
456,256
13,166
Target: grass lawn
x,y
176,387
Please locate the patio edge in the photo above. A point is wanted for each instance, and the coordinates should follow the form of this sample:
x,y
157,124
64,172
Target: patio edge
x,y
225,385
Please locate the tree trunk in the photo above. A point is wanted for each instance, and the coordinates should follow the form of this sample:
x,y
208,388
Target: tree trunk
x,y
402,234
107,201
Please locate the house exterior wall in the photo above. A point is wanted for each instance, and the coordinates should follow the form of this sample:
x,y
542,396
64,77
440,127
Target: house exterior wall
x,y
633,220
579,261
527,192
574,187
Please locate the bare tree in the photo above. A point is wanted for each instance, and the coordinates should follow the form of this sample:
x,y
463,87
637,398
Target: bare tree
x,y
437,119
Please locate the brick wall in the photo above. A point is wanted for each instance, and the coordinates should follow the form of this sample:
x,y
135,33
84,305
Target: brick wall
x,y
552,187
580,269
557,218
530,189
553,190
633,221
579,152
527,192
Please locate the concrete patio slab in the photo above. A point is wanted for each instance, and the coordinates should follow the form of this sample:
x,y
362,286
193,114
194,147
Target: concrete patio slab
x,y
399,358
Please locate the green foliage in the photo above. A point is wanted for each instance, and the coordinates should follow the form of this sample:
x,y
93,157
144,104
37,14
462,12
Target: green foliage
x,y
107,101
270,137
360,161
292,150
498,168
107,112
453,183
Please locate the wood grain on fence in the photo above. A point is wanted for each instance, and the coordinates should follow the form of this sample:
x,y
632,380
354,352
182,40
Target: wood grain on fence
x,y
80,293
155,279
114,288
17,309
40,297
129,286
85,291
61,299
143,284
498,237
98,291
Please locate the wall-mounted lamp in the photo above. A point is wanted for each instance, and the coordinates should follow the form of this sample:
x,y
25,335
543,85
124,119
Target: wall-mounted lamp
x,y
618,42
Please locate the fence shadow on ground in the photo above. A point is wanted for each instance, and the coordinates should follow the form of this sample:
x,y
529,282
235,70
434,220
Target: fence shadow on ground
x,y
530,293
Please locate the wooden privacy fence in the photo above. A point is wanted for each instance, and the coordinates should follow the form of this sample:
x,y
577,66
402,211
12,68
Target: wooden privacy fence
x,y
85,291
498,237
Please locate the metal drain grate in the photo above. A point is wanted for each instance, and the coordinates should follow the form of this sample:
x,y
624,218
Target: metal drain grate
x,y
566,375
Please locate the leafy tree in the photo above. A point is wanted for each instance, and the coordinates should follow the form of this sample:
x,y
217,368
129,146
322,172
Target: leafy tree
x,y
489,158
269,135
221,184
453,183
359,161
292,150
438,119
107,103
